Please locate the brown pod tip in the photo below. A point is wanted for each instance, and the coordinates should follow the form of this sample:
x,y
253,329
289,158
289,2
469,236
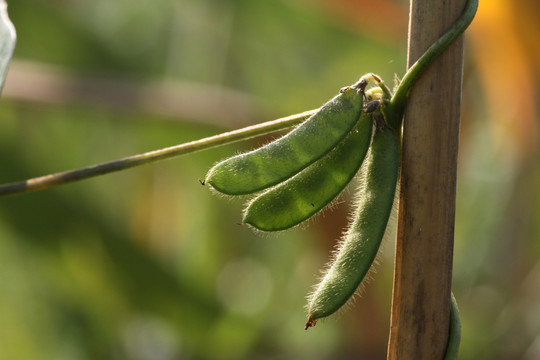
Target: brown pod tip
x,y
310,323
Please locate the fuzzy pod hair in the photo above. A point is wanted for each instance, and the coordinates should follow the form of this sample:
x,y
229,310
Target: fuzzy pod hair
x,y
279,160
305,194
360,244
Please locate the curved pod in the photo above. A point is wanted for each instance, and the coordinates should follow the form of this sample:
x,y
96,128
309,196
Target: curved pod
x,y
360,244
277,161
305,194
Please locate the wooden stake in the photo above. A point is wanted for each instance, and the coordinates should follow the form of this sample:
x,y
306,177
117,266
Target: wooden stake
x,y
423,267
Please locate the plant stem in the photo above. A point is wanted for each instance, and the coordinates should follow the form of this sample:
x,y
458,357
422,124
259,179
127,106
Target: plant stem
x,y
65,177
394,111
397,105
454,333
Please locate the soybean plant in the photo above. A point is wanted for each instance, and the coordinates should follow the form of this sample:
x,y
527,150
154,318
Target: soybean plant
x,y
360,244
279,160
306,169
303,195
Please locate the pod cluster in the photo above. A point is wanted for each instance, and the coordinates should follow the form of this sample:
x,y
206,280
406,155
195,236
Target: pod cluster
x,y
299,174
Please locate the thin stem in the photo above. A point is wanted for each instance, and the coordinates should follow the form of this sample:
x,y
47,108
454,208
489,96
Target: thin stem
x,y
397,105
454,333
64,177
394,111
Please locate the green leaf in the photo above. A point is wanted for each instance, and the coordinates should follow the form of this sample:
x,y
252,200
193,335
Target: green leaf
x,y
7,41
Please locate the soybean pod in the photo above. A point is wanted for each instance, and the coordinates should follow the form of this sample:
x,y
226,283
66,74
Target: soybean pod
x,y
303,195
360,244
279,160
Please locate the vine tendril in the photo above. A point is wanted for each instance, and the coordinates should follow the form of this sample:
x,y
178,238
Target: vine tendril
x,y
394,112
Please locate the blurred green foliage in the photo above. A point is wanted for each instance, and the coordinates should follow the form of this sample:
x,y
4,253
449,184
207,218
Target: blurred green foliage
x,y
148,264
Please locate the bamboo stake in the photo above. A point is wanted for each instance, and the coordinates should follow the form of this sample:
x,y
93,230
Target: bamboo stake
x,y
423,267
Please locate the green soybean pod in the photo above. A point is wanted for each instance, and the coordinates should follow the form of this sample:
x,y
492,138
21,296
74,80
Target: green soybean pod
x,y
277,161
303,195
360,244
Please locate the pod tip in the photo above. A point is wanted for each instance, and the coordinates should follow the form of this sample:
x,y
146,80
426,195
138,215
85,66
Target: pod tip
x,y
310,322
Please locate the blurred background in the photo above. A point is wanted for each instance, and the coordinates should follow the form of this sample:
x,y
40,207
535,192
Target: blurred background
x,y
148,264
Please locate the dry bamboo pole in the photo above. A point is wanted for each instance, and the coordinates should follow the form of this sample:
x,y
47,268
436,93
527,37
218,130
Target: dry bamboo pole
x,y
424,248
